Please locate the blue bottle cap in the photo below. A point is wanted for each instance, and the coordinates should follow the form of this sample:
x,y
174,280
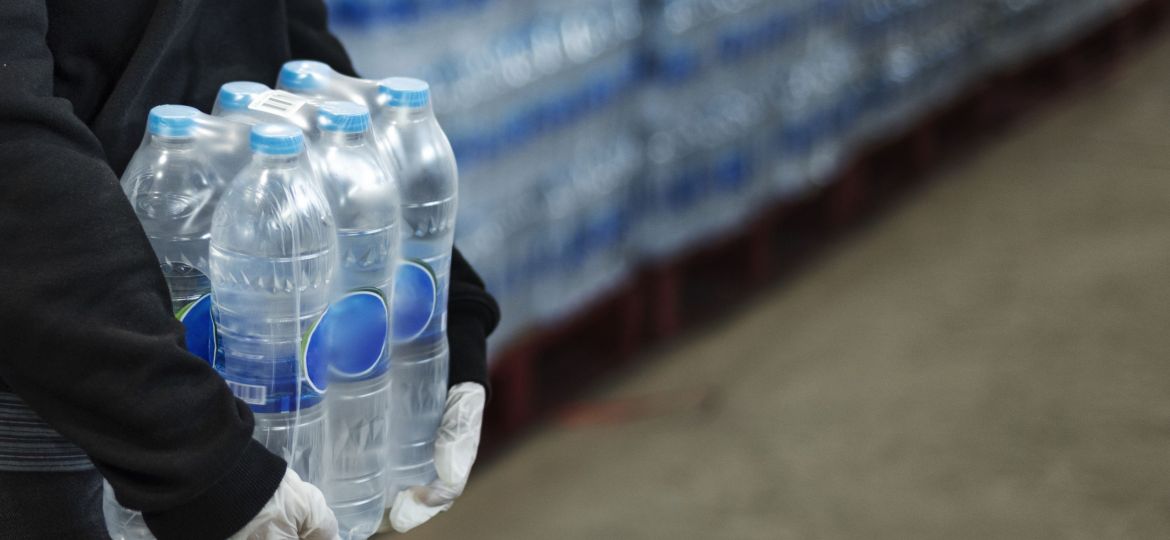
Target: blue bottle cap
x,y
237,95
343,117
404,92
304,75
172,121
277,139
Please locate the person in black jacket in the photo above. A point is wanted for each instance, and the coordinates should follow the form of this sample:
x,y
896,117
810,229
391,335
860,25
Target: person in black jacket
x,y
94,378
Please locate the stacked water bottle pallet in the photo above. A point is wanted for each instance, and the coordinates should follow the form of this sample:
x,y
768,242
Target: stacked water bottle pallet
x,y
537,98
697,147
689,287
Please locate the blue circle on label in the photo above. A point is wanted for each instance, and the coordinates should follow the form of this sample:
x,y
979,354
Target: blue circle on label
x,y
349,338
200,328
415,296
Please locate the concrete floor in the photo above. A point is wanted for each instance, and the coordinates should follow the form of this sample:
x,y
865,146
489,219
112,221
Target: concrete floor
x,y
989,360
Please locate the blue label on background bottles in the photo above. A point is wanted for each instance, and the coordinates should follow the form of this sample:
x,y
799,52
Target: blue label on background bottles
x,y
415,299
200,328
606,228
732,171
686,188
678,65
349,339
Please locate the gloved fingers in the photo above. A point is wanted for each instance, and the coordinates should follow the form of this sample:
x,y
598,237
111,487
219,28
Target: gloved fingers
x,y
297,510
456,445
409,512
318,521
457,441
455,457
438,493
320,533
268,531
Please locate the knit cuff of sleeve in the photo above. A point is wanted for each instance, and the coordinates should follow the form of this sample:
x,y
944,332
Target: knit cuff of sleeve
x,y
227,505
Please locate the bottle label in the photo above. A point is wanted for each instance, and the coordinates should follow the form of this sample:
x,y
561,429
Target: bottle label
x,y
732,171
349,340
415,299
607,228
200,328
686,189
252,394
278,102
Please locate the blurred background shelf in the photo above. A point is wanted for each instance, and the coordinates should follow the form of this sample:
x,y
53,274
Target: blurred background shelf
x,y
633,170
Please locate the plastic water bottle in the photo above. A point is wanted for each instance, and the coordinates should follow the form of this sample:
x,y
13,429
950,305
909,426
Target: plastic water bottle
x,y
235,97
273,249
365,202
410,139
428,182
173,191
254,103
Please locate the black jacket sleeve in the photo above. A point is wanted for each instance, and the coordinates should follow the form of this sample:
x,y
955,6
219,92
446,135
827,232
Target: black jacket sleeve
x,y
90,343
472,313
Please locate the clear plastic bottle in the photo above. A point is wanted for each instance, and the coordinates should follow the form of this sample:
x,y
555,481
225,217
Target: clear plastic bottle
x,y
273,250
173,191
428,182
410,140
365,202
234,97
254,103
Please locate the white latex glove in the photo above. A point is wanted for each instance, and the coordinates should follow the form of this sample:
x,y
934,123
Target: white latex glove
x,y
456,445
296,510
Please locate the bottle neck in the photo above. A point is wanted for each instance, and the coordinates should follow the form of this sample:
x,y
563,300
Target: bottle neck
x,y
409,114
172,143
276,161
338,138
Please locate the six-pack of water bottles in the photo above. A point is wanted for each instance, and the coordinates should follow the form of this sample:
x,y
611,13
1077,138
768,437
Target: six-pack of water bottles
x,y
305,234
596,135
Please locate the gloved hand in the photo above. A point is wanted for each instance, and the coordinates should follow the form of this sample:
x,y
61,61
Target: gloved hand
x,y
296,510
456,445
